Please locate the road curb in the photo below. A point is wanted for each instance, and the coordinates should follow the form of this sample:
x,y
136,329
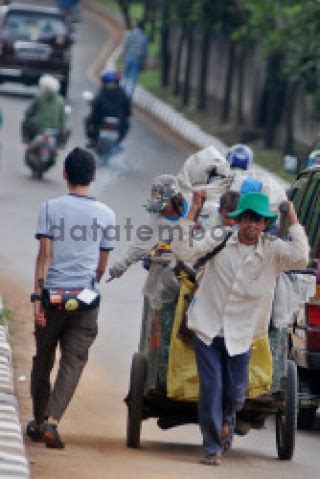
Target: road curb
x,y
13,460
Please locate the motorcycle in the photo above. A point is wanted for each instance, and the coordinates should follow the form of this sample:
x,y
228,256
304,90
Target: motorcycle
x,y
41,152
107,138
42,146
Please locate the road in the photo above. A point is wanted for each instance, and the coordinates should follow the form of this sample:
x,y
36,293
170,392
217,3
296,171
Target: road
x,y
94,425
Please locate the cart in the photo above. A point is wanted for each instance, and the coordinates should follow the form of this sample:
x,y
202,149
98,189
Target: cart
x,y
147,397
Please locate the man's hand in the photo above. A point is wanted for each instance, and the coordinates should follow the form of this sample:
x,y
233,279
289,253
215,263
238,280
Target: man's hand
x,y
116,270
39,317
289,212
199,197
292,215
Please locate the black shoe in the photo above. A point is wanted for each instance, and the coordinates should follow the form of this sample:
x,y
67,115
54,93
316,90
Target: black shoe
x,y
51,437
34,431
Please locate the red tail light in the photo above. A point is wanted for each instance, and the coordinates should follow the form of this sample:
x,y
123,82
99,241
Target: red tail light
x,y
313,314
313,330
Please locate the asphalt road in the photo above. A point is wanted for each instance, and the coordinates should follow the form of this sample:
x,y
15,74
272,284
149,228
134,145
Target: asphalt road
x,y
124,185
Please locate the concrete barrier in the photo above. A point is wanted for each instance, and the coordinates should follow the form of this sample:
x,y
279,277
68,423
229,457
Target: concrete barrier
x,y
13,461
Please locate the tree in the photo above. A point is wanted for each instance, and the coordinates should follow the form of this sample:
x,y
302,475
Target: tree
x,y
165,50
291,45
125,10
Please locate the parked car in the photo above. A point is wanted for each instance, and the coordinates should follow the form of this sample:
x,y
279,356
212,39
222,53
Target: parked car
x,y
34,40
305,335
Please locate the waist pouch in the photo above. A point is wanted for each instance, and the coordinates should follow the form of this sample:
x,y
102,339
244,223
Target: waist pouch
x,y
66,300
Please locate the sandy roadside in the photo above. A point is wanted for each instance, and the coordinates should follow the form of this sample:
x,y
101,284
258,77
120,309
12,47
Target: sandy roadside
x,y
93,426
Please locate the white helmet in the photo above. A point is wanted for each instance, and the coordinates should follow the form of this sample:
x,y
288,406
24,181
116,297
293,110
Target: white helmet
x,y
163,189
48,83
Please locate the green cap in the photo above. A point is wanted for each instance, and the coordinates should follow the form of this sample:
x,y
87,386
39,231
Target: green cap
x,y
257,202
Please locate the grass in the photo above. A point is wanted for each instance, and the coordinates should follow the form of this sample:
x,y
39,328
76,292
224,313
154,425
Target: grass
x,y
5,316
112,4
136,9
150,80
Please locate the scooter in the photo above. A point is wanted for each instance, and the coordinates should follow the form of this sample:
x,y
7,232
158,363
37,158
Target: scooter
x,y
108,135
41,152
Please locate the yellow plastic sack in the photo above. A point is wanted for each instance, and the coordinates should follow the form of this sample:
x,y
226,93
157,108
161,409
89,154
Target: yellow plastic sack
x,y
182,377
260,367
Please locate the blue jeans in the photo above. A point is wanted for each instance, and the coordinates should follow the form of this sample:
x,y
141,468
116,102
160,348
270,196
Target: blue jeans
x,y
130,74
223,387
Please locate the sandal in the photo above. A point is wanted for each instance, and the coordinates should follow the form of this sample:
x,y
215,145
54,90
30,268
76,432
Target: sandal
x,y
34,431
211,460
51,437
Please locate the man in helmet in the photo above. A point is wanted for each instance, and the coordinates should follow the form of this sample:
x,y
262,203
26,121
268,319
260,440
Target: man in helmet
x,y
47,110
313,159
166,206
110,100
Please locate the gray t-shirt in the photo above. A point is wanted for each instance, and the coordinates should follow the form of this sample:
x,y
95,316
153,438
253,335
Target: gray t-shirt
x,y
80,227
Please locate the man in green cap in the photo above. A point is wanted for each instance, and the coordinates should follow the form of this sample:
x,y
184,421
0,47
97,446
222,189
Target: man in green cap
x,y
234,297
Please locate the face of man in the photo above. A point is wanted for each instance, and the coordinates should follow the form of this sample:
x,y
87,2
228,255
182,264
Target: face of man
x,y
169,210
251,225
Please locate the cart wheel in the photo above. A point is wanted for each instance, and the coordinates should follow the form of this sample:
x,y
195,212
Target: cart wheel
x,y
286,421
135,399
306,417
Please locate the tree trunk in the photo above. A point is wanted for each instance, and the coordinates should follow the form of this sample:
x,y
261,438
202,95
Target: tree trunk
x,y
124,7
202,89
228,84
147,9
176,78
274,67
165,50
186,92
153,21
289,117
241,70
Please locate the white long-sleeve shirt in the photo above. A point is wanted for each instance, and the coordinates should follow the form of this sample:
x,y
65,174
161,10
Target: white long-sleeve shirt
x,y
236,292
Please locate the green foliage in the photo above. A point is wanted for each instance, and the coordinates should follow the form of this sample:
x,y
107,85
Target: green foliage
x,y
150,79
112,4
289,27
136,8
5,316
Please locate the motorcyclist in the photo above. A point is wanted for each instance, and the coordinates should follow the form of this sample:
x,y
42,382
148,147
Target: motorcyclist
x,y
111,100
47,111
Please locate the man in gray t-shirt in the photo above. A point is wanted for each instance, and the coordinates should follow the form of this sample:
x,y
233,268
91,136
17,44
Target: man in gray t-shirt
x,y
75,234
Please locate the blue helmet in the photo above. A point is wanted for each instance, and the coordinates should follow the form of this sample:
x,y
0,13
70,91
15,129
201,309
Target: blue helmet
x,y
240,156
251,185
110,77
314,158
